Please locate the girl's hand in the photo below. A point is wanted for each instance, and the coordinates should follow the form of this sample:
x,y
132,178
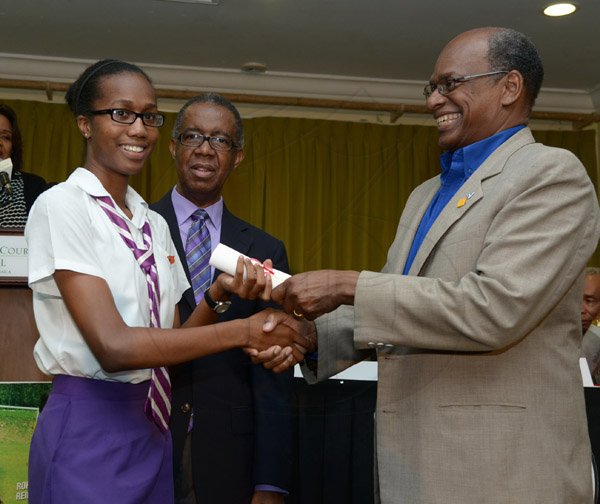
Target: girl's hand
x,y
252,280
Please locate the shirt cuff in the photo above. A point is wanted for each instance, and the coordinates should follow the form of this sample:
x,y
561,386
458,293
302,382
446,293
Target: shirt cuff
x,y
270,488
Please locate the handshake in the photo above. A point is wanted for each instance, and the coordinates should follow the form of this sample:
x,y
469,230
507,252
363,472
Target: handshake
x,y
279,339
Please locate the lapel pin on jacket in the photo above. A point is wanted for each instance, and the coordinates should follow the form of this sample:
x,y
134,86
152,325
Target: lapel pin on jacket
x,y
461,202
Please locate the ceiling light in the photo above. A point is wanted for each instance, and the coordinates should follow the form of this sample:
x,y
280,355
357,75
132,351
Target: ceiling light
x,y
254,67
560,9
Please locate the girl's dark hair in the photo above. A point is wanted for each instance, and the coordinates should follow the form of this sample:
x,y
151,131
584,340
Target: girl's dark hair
x,y
16,155
86,89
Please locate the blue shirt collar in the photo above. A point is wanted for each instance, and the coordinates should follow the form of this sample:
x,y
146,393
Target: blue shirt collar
x,y
467,159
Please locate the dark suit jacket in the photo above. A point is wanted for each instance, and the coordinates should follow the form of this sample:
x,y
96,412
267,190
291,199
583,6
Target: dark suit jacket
x,y
242,432
33,186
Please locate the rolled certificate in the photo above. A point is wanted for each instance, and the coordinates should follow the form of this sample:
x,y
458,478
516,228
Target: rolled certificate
x,y
225,258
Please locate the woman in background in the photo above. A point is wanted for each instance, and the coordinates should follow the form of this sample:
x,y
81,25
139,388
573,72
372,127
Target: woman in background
x,y
18,189
106,278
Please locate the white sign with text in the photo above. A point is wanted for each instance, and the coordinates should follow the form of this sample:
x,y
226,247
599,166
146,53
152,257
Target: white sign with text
x,y
13,256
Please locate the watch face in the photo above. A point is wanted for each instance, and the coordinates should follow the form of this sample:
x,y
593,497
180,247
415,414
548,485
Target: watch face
x,y
222,306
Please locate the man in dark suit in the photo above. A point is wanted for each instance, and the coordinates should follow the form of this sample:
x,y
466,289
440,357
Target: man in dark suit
x,y
231,420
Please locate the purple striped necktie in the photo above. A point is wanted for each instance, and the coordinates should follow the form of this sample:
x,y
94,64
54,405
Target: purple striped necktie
x,y
158,403
197,253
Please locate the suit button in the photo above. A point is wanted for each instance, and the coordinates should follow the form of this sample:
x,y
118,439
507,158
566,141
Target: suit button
x,y
370,344
379,345
186,407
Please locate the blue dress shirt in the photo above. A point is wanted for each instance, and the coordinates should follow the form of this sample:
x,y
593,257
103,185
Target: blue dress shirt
x,y
457,167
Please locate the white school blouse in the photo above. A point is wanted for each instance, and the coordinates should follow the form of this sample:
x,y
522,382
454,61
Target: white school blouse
x,y
67,230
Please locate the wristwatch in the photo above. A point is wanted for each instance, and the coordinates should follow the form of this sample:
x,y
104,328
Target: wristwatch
x,y
217,306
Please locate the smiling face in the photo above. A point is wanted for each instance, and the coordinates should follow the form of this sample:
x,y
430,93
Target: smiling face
x,y
202,171
478,108
115,149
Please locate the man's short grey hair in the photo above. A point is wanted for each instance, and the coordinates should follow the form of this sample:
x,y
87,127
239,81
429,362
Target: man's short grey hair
x,y
512,50
592,271
215,99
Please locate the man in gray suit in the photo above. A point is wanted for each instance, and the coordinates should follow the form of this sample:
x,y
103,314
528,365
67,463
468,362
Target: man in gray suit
x,y
475,317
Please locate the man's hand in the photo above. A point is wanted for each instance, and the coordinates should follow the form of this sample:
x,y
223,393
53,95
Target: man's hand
x,y
261,497
267,332
314,293
278,358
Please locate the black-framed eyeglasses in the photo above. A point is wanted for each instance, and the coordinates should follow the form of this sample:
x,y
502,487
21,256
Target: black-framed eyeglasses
x,y
125,116
448,85
195,139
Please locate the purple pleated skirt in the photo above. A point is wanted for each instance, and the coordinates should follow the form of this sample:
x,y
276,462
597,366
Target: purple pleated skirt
x,y
93,443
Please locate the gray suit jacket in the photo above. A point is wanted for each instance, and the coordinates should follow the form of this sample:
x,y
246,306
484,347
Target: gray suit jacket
x,y
480,397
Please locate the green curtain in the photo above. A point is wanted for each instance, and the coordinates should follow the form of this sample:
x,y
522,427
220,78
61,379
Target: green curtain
x,y
583,145
52,144
332,191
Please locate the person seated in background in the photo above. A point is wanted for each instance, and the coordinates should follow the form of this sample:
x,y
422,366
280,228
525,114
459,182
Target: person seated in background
x,y
18,189
590,309
590,306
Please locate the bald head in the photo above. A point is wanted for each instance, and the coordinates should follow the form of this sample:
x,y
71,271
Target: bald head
x,y
484,81
509,49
